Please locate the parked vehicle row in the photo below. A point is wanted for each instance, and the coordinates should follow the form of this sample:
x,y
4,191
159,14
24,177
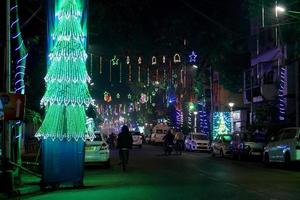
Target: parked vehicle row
x,y
283,147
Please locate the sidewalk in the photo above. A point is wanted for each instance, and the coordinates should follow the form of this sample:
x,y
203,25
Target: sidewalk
x,y
29,185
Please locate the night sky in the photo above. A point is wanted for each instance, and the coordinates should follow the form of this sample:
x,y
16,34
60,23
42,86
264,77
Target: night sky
x,y
143,28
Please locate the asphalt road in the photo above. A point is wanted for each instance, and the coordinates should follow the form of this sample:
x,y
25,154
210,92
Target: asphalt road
x,y
193,175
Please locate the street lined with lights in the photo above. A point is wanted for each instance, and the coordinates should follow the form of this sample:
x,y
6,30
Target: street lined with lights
x,y
196,175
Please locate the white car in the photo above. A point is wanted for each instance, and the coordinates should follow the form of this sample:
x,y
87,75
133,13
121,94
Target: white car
x,y
97,151
221,145
137,139
196,141
285,147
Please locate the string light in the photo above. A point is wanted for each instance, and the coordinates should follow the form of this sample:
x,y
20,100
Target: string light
x,y
281,93
177,58
20,51
115,61
154,60
100,64
193,57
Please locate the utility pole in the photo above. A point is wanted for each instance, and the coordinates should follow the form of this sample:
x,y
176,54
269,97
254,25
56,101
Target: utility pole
x,y
6,139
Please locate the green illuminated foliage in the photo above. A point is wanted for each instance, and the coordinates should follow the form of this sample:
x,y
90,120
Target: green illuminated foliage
x,y
67,91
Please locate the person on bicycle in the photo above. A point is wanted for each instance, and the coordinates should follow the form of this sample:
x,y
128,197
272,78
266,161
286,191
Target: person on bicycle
x,y
179,137
124,143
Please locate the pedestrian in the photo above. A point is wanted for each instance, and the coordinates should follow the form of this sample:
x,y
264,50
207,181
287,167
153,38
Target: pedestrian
x,y
179,137
124,143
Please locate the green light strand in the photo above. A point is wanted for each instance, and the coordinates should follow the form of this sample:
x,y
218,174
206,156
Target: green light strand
x,y
67,92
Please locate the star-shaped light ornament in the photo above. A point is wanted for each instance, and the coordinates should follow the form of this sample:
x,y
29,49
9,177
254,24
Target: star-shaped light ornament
x,y
115,61
193,57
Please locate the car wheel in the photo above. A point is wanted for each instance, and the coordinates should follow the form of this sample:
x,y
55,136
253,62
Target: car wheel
x,y
221,153
287,159
266,159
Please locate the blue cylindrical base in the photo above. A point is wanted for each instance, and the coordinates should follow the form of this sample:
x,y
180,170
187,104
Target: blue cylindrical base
x,y
62,162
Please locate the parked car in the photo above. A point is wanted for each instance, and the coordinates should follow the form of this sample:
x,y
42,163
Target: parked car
x,y
247,144
196,141
97,151
221,145
158,133
284,147
137,139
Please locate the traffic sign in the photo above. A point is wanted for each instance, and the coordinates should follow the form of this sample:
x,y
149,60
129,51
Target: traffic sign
x,y
13,105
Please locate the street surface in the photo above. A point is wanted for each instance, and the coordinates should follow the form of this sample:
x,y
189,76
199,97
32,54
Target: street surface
x,y
193,175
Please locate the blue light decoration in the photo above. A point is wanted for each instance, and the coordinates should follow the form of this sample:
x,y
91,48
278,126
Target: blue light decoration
x,y
19,50
193,57
221,123
178,118
171,96
190,119
282,92
204,126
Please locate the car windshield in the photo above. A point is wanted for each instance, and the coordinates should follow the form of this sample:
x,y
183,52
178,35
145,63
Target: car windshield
x,y
98,137
199,137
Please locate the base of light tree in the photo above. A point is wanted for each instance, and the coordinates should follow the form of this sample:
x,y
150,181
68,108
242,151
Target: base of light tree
x,y
62,163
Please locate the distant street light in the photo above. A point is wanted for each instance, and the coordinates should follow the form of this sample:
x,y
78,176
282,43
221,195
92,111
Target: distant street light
x,y
279,9
195,121
231,104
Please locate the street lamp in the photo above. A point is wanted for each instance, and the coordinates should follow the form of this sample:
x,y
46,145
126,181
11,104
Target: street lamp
x,y
231,104
195,121
279,9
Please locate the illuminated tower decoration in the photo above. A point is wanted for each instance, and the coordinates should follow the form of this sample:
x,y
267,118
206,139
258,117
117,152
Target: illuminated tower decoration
x,y
67,92
19,50
204,128
282,92
221,123
62,132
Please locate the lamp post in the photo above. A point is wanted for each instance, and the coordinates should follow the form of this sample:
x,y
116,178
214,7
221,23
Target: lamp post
x,y
195,121
231,104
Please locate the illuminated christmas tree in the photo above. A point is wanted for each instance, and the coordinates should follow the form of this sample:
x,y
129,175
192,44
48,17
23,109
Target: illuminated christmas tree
x,y
67,92
222,129
221,123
